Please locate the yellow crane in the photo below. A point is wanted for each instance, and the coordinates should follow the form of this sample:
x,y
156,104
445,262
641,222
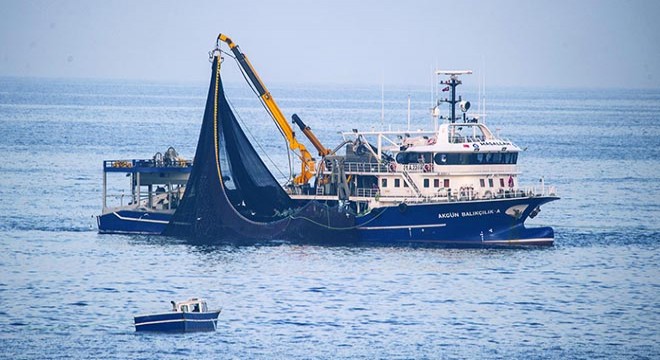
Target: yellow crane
x,y
308,167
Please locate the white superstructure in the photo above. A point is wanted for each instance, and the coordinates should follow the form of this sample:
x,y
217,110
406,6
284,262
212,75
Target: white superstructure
x,y
461,160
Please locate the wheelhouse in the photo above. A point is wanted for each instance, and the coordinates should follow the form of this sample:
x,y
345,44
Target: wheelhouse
x,y
449,158
193,305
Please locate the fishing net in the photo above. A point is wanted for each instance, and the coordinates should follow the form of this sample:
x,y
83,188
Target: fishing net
x,y
232,196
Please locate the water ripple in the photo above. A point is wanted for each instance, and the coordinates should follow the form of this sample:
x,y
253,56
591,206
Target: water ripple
x,y
593,295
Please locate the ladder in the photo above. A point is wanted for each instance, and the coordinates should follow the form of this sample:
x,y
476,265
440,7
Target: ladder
x,y
410,182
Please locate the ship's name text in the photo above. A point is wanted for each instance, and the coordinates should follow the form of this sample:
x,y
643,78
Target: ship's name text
x,y
449,215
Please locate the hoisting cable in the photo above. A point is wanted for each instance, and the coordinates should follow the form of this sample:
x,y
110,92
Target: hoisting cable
x,y
270,114
254,139
288,153
292,217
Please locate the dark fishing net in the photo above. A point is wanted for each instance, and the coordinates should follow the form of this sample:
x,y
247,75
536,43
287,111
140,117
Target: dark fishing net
x,y
231,194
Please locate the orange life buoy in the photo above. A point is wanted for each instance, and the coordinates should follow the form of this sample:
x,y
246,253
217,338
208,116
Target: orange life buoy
x,y
392,166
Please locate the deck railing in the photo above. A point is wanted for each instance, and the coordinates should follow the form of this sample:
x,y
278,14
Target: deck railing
x,y
375,168
466,194
362,167
367,192
145,163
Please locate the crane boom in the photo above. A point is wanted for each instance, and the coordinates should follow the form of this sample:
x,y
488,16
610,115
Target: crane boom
x,y
323,151
308,167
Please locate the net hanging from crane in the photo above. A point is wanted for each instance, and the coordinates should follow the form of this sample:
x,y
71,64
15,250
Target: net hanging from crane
x,y
231,194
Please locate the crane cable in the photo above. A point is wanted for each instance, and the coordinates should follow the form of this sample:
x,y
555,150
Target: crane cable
x,y
290,177
238,115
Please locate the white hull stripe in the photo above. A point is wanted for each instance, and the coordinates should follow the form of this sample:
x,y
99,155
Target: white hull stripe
x,y
173,321
401,227
130,232
488,242
140,219
519,241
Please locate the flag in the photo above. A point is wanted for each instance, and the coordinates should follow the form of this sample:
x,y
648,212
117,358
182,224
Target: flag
x,y
446,89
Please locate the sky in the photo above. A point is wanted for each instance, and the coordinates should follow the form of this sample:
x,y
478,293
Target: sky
x,y
557,43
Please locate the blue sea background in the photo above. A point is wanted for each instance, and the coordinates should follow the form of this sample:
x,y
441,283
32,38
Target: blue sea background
x,y
68,292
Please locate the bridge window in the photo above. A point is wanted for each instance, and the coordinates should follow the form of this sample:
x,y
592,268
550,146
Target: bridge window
x,y
501,182
446,183
397,182
465,159
412,157
474,158
482,182
426,183
490,182
436,183
383,183
510,158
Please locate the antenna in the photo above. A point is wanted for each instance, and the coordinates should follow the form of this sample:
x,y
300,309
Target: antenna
x,y
432,89
483,76
382,100
408,112
451,85
479,97
433,99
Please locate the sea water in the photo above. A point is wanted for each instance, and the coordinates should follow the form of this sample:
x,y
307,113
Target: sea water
x,y
68,292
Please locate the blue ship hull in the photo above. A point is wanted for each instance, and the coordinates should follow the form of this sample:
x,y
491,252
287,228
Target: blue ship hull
x,y
467,223
133,222
472,223
178,322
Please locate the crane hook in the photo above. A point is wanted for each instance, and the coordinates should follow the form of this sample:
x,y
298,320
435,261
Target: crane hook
x,y
216,52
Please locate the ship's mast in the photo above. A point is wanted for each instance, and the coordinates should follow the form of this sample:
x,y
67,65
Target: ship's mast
x,y
452,83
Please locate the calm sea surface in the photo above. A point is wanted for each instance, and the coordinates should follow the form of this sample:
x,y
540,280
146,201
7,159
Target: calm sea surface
x,y
67,292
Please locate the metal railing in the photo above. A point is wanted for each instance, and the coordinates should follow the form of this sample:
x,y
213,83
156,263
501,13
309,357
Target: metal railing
x,y
458,139
464,194
146,163
362,167
375,168
367,192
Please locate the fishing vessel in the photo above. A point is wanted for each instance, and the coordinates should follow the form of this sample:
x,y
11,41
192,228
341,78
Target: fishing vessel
x,y
156,186
457,184
191,315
